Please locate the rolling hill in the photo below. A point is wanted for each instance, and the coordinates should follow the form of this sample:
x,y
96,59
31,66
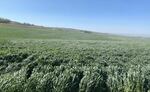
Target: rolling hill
x,y
21,31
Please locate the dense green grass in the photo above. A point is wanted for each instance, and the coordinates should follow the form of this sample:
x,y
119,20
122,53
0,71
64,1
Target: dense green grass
x,y
36,59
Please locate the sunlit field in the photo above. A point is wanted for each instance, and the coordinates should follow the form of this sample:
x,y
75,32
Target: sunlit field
x,y
39,59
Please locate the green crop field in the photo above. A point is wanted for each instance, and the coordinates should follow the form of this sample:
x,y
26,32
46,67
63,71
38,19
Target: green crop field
x,y
40,59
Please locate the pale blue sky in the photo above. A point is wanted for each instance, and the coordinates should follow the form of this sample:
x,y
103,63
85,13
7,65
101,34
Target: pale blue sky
x,y
108,16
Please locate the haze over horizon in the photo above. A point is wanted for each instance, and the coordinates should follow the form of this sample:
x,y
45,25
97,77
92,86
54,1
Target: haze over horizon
x,y
108,16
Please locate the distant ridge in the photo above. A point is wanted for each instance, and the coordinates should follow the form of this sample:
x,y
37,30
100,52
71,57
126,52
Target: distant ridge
x,y
16,30
8,21
4,20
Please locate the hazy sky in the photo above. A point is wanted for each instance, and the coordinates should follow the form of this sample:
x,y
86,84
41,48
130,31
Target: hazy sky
x,y
109,16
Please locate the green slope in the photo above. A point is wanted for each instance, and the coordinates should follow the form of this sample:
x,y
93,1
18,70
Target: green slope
x,y
18,31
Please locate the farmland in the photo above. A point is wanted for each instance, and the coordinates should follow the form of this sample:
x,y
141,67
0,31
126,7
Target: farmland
x,y
39,59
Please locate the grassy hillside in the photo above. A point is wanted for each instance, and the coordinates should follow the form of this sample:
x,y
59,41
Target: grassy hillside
x,y
18,31
37,59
